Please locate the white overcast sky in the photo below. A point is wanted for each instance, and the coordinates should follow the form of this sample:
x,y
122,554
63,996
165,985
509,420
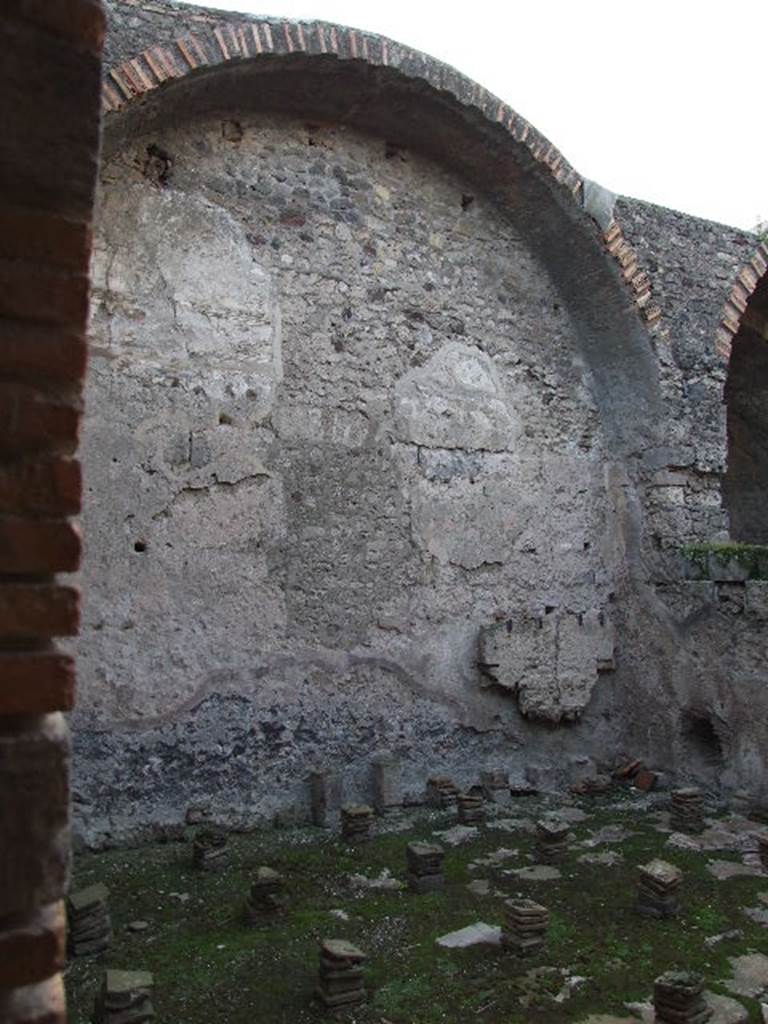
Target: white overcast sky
x,y
662,99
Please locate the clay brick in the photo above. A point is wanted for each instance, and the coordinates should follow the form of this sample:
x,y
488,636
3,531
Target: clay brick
x,y
53,162
32,946
38,610
645,780
82,22
43,237
36,682
34,803
41,352
38,547
40,293
43,486
42,1003
31,421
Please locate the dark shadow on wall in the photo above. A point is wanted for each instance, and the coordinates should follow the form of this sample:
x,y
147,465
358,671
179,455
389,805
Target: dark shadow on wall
x,y
703,747
745,487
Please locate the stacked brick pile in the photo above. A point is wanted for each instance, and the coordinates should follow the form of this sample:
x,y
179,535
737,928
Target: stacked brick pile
x,y
678,998
125,997
525,927
687,810
471,809
88,920
425,867
551,840
341,975
442,792
209,850
267,896
659,889
356,821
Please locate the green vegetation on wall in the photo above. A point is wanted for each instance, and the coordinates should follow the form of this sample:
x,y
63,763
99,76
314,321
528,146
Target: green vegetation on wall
x,y
726,561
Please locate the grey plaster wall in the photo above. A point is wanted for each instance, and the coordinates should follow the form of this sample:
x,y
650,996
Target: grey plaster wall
x,y
376,460
337,422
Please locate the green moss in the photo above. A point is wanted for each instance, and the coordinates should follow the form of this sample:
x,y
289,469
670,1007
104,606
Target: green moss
x,y
752,558
209,967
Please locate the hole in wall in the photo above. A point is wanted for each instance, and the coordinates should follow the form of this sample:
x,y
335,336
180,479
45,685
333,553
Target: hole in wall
x,y
704,748
140,546
158,165
225,420
232,131
466,201
392,150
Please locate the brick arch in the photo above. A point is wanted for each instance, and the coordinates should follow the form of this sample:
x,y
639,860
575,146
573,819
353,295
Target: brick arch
x,y
747,279
236,41
741,341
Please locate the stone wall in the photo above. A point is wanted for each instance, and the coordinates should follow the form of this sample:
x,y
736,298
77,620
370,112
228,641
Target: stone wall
x,y
337,423
692,263
382,457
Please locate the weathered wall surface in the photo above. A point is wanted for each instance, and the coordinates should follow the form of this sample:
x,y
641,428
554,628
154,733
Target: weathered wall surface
x,y
367,472
691,264
697,648
337,423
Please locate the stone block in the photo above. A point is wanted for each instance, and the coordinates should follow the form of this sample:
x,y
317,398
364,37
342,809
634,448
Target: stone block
x,y
386,783
550,662
326,792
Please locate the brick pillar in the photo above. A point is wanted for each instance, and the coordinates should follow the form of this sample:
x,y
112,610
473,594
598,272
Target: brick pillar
x,y
50,72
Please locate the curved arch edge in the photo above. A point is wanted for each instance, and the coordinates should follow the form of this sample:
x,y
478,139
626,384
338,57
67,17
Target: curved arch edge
x,y
250,39
747,280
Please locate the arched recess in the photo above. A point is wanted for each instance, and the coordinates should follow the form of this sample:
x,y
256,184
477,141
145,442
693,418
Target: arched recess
x,y
433,423
745,486
331,73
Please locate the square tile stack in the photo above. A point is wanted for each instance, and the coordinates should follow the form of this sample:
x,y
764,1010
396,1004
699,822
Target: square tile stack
x,y
209,850
525,927
687,810
551,840
124,998
495,783
88,922
442,792
659,889
762,849
471,807
425,867
341,974
678,998
267,896
356,820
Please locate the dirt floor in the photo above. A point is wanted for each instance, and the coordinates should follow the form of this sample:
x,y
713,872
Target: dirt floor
x,y
600,953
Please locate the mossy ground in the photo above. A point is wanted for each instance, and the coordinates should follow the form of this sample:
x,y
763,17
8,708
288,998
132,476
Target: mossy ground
x,y
209,967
